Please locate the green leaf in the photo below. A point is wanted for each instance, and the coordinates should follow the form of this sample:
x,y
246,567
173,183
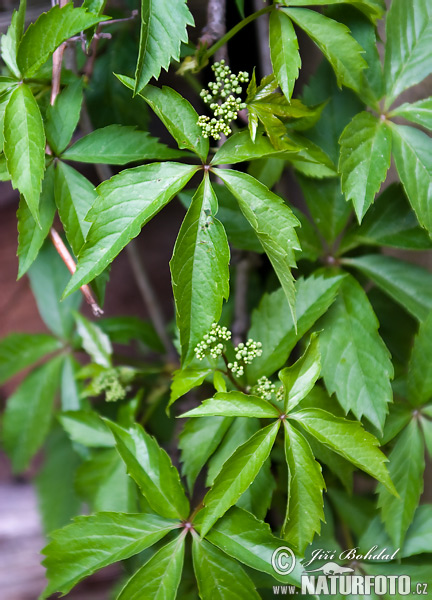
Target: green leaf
x,y
87,428
20,350
70,389
163,28
406,469
326,204
234,404
364,160
273,222
218,576
118,145
49,31
236,475
57,498
184,380
300,378
122,330
94,341
418,537
419,381
374,9
335,42
93,542
103,482
198,441
74,196
305,487
284,52
151,468
30,235
28,414
356,364
24,146
240,147
412,155
250,541
10,41
349,439
273,326
62,118
390,222
199,270
419,112
48,276
258,497
159,577
406,283
408,57
126,203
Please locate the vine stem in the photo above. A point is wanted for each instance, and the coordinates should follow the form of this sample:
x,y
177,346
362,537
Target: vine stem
x,y
54,236
232,32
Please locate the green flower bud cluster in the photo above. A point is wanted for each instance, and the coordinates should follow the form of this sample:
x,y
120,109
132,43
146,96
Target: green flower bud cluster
x,y
213,342
264,388
223,97
113,382
244,354
280,394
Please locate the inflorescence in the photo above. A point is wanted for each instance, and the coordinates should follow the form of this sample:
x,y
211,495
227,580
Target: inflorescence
x,y
223,97
213,342
244,353
264,388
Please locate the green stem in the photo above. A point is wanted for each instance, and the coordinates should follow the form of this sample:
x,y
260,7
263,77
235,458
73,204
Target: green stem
x,y
232,32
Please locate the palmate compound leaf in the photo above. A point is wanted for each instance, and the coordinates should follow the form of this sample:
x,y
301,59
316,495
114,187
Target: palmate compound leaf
x,y
347,438
150,466
249,540
160,576
199,270
93,542
237,474
305,487
218,576
28,413
284,52
273,325
412,150
364,160
299,379
273,222
408,58
163,28
356,364
126,202
335,42
419,381
177,114
24,146
374,9
49,31
406,468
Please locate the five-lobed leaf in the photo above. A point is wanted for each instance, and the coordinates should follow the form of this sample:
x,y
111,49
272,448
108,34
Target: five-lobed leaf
x,y
364,160
28,414
163,28
150,466
336,43
406,469
356,364
118,145
349,439
237,474
49,31
24,146
218,576
273,222
234,404
284,52
305,486
126,202
160,576
199,270
93,542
